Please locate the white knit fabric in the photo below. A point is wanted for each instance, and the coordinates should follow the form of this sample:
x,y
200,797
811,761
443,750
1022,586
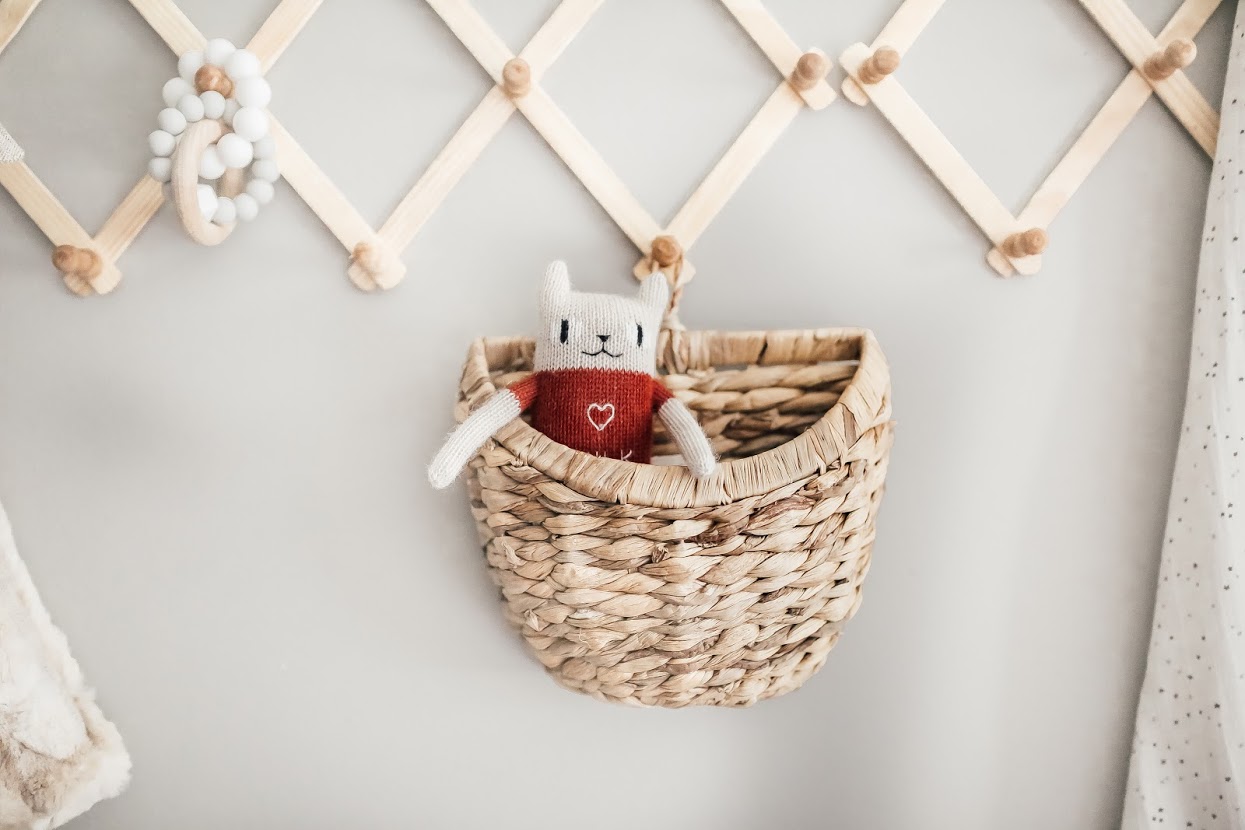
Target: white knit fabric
x,y
690,438
1188,758
58,755
465,441
589,316
9,149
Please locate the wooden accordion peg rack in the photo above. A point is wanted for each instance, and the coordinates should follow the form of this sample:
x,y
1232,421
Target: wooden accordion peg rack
x,y
1018,241
88,264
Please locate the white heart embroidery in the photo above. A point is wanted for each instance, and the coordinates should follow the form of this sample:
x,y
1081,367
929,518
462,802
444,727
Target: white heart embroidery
x,y
600,415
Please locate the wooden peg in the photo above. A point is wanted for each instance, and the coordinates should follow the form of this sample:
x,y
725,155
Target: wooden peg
x,y
877,66
1024,243
1175,56
211,78
666,252
77,262
516,77
368,258
809,70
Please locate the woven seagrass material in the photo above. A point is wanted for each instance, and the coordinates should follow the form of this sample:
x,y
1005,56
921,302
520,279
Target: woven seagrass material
x,y
640,584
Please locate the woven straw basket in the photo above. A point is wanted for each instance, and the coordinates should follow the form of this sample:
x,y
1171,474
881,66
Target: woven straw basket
x,y
639,584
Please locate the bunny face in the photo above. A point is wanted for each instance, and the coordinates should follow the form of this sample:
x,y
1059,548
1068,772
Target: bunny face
x,y
599,331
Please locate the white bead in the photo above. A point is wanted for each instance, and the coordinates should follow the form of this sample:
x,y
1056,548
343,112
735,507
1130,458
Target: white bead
x,y
266,170
190,63
213,104
173,91
252,92
210,165
234,150
160,169
226,213
246,206
207,201
242,64
218,51
171,121
260,190
161,143
266,148
231,109
191,107
251,123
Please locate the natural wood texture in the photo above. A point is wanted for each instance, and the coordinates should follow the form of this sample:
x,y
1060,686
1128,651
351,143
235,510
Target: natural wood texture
x,y
757,139
279,30
809,70
1024,243
933,148
171,24
778,46
674,591
1175,89
185,183
1101,133
213,79
516,77
1176,55
878,65
13,15
900,32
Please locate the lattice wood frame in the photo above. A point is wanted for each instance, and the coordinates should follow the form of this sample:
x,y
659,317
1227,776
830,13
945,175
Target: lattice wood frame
x,y
89,262
1019,240
374,254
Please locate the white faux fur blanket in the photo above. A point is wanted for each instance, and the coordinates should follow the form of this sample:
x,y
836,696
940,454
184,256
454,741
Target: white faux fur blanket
x,y
58,755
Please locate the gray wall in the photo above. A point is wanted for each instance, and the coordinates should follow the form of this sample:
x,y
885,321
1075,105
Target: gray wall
x,y
216,473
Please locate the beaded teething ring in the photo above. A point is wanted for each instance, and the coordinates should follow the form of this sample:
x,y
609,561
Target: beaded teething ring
x,y
213,128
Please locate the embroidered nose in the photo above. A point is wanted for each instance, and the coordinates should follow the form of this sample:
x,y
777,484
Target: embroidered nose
x,y
603,337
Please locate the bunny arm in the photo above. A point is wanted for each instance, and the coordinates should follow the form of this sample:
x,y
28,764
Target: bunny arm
x,y
469,436
690,438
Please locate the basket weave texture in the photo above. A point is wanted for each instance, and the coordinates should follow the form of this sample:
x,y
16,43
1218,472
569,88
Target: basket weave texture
x,y
638,583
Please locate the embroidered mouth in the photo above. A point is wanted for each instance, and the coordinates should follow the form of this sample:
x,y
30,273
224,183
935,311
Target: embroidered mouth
x,y
602,351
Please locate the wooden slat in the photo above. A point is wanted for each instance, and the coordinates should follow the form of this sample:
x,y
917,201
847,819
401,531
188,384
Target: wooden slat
x,y
1176,91
943,160
757,139
323,197
777,45
46,211
906,25
171,24
13,15
130,217
280,29
551,40
468,26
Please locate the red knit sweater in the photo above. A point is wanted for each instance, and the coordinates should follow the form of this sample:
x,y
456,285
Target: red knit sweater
x,y
605,412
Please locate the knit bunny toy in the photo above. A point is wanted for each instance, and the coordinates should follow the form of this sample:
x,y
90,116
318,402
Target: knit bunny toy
x,y
594,388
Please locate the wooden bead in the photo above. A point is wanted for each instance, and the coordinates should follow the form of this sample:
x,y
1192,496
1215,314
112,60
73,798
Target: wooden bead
x,y
1176,55
77,262
666,251
1025,243
516,77
212,78
809,70
877,66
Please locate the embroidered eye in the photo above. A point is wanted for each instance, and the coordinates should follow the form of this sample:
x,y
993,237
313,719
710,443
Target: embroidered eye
x,y
566,330
639,334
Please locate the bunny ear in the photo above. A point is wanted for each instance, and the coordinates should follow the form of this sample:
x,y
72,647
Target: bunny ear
x,y
557,283
655,291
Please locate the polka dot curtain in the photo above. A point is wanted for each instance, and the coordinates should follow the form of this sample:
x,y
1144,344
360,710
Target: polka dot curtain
x,y
1188,757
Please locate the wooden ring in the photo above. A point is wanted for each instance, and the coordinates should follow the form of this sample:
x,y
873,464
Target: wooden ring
x,y
185,183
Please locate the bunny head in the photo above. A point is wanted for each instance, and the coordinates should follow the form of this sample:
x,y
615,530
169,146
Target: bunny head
x,y
599,331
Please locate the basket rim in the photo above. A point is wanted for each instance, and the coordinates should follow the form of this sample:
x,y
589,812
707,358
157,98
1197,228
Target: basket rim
x,y
863,405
